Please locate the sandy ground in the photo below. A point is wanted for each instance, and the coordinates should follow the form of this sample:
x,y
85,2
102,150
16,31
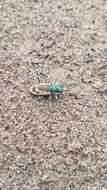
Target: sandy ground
x,y
60,145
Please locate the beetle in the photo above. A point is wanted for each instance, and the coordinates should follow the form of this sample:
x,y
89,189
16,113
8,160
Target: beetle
x,y
47,89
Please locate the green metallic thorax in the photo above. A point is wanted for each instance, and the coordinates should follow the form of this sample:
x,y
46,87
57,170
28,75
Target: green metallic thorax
x,y
55,88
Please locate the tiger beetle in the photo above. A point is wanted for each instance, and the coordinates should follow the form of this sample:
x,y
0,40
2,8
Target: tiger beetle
x,y
47,89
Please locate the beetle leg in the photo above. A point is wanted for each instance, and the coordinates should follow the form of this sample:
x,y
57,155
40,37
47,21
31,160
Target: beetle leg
x,y
39,99
46,99
56,96
50,97
53,97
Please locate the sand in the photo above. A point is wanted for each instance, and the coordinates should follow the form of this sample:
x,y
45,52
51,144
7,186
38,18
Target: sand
x,y
60,144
